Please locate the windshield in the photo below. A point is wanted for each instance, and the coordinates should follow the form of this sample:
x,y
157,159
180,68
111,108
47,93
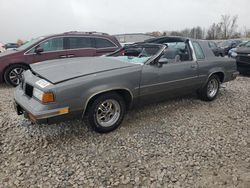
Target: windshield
x,y
176,45
29,43
247,44
137,54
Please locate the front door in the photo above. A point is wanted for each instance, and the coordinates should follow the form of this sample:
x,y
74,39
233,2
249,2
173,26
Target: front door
x,y
52,49
172,76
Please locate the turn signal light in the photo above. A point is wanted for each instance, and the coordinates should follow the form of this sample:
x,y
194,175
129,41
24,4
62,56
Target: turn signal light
x,y
48,97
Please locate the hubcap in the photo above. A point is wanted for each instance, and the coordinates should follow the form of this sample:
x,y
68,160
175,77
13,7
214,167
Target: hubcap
x,y
212,88
108,113
15,75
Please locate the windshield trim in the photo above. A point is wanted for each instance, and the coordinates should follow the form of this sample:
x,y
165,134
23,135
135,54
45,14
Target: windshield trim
x,y
32,43
152,58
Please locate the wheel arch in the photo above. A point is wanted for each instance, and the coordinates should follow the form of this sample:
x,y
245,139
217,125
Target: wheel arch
x,y
219,71
220,74
12,64
125,93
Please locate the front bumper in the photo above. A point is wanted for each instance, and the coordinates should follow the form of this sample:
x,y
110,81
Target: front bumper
x,y
38,112
243,62
243,66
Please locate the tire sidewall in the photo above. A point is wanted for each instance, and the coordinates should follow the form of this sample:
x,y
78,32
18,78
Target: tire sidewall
x,y
9,69
213,77
93,109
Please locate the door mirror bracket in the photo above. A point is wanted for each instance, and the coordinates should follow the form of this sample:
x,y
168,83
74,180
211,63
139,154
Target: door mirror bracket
x,y
39,50
163,61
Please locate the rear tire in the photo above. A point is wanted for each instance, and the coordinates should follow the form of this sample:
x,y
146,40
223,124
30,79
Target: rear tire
x,y
13,74
106,112
210,91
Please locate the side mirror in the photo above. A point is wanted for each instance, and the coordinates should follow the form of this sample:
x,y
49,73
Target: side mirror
x,y
39,50
163,61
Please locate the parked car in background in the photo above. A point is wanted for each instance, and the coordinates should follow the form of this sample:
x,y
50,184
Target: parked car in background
x,y
243,58
229,44
232,53
130,38
218,51
104,88
10,46
2,49
65,45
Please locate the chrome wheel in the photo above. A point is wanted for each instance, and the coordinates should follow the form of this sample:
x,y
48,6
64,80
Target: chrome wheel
x,y
108,113
212,88
15,75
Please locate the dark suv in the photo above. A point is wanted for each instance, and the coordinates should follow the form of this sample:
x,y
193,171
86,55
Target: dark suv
x,y
218,51
65,45
229,44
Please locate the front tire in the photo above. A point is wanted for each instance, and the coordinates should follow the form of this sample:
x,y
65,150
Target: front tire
x,y
13,74
106,112
210,91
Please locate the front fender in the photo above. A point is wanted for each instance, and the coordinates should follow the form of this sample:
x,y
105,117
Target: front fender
x,y
99,90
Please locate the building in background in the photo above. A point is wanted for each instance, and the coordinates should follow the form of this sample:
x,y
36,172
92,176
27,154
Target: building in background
x,y
131,38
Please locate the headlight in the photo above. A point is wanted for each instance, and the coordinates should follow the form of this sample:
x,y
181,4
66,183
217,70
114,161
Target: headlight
x,y
234,54
45,97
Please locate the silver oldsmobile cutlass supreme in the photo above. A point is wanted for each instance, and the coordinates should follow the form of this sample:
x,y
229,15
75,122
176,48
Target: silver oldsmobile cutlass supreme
x,y
103,88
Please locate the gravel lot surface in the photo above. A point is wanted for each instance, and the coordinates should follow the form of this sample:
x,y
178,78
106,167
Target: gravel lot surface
x,y
179,143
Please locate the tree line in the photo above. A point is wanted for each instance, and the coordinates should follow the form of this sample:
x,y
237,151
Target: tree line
x,y
226,28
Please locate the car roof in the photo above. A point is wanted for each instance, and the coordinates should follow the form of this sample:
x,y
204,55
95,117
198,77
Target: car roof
x,y
77,33
138,44
169,38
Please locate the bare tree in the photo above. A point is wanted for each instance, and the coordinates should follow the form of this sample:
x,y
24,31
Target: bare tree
x,y
225,29
156,33
214,31
19,42
229,26
246,32
176,33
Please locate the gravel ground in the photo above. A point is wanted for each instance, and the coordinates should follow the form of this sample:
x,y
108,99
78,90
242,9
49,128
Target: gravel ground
x,y
179,143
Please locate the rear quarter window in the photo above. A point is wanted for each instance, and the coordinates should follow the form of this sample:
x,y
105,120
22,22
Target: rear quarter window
x,y
79,42
198,51
104,43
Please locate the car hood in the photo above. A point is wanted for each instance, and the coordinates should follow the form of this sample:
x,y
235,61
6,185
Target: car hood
x,y
57,71
243,50
8,52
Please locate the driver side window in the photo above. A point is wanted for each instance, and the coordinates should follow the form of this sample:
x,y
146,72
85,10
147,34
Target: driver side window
x,y
55,44
171,55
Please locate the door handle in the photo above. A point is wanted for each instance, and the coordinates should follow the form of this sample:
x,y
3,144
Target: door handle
x,y
70,55
62,56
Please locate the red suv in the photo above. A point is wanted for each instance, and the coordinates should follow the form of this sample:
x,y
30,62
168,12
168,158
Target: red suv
x,y
66,45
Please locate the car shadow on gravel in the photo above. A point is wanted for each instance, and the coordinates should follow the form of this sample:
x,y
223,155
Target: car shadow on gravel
x,y
5,86
246,74
77,129
144,118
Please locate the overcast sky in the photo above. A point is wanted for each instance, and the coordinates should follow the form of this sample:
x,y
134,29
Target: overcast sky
x,y
27,19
